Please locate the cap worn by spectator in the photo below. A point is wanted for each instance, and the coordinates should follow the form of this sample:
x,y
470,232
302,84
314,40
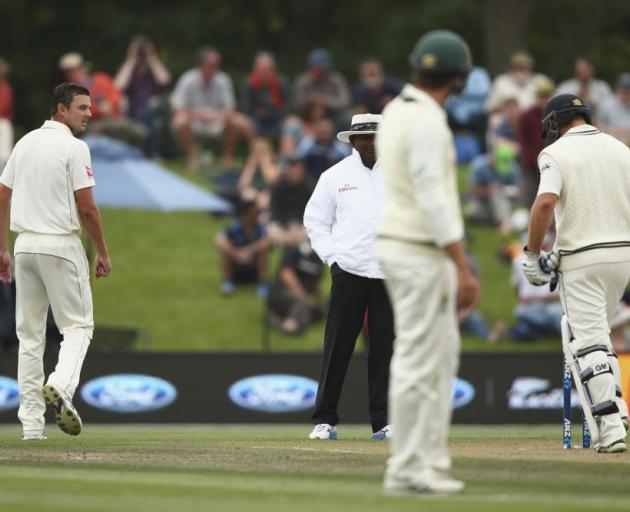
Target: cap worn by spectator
x,y
320,58
623,82
544,86
521,59
72,60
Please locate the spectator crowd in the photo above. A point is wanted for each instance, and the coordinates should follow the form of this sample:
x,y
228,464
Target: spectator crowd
x,y
284,133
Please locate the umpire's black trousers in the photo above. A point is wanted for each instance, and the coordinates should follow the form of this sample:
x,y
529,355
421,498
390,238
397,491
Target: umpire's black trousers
x,y
350,297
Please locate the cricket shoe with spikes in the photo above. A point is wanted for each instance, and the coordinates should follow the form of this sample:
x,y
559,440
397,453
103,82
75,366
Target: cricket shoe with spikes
x,y
618,446
66,416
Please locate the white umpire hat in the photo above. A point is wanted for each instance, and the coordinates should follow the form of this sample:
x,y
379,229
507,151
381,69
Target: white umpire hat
x,y
362,124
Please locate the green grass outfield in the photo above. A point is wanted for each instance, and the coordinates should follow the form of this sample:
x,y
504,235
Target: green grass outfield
x,y
275,469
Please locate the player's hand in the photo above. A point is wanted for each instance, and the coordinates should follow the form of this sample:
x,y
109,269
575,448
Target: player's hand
x,y
5,267
539,269
467,290
102,266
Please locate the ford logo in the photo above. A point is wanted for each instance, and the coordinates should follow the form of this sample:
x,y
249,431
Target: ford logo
x,y
9,394
274,393
128,393
463,393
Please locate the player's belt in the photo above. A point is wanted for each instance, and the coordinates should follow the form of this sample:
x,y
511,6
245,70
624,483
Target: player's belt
x,y
603,245
413,241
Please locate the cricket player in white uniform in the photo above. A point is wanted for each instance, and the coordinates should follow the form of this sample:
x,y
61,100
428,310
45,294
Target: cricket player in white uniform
x,y
48,183
585,179
426,271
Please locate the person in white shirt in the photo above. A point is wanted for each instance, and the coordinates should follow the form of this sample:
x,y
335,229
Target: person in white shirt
x,y
585,181
427,273
48,184
341,218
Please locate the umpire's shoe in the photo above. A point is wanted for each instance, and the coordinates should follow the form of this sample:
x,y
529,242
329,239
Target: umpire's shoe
x,y
66,416
323,431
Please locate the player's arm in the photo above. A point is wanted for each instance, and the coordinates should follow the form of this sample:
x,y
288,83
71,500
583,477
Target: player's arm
x,y
545,203
5,256
319,216
91,220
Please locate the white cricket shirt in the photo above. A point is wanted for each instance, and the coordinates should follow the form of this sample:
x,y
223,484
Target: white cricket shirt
x,y
589,171
342,216
45,168
416,150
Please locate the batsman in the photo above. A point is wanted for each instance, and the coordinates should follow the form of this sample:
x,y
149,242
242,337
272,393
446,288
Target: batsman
x,y
585,180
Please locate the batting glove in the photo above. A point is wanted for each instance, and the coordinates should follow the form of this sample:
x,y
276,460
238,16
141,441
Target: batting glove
x,y
539,269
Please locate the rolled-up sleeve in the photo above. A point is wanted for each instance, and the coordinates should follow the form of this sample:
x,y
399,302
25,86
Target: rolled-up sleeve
x,y
426,147
319,217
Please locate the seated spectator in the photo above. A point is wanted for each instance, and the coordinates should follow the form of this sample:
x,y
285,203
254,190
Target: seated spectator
x,y
106,101
518,83
466,111
323,150
613,115
288,200
265,97
374,90
531,142
204,106
294,294
321,85
492,180
6,114
472,322
584,84
297,127
538,311
244,250
503,128
259,173
143,79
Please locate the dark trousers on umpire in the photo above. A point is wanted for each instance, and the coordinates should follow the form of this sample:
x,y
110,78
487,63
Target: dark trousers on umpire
x,y
350,297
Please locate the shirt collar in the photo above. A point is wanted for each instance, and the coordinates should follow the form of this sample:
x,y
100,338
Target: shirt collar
x,y
359,163
583,128
411,91
56,125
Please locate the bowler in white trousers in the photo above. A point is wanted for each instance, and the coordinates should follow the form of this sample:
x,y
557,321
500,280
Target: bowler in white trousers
x,y
48,184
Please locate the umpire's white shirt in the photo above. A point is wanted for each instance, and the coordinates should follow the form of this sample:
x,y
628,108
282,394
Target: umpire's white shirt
x,y
46,167
342,216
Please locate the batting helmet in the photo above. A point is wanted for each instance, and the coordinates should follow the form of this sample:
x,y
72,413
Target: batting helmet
x,y
559,112
440,52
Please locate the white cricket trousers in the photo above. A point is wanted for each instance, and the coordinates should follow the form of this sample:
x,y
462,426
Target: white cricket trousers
x,y
50,270
590,295
422,287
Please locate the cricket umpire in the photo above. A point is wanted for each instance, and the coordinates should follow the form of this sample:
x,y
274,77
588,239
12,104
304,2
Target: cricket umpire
x,y
341,219
422,255
48,183
585,180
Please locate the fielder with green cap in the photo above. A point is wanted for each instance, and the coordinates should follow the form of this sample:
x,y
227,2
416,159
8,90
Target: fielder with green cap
x,y
422,256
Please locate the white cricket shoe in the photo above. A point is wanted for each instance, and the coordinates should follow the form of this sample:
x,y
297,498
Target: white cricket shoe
x,y
438,484
34,435
385,434
66,416
323,431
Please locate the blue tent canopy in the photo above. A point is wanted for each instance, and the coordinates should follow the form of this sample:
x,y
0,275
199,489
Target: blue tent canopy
x,y
126,179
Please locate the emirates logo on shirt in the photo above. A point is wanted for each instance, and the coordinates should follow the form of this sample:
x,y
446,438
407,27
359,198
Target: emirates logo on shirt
x,y
89,171
347,188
